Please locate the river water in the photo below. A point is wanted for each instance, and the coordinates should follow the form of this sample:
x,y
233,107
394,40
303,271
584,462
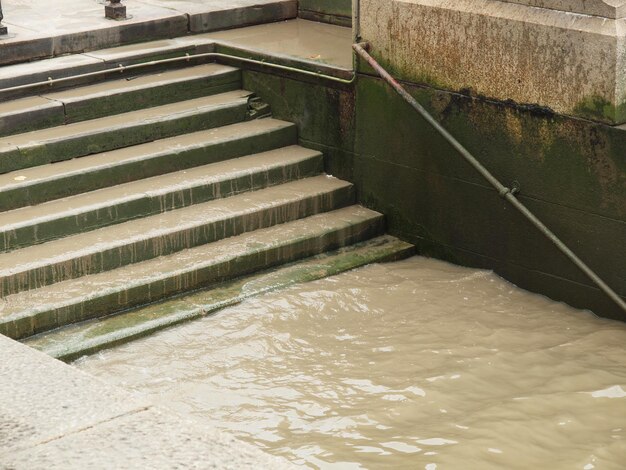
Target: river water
x,y
417,364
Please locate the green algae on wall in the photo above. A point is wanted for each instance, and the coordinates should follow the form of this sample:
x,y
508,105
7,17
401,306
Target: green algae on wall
x,y
599,109
570,172
324,112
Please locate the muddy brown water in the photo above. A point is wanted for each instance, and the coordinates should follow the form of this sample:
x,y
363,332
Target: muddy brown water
x,y
417,364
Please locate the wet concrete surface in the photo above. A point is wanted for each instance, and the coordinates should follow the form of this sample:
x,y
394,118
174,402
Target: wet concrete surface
x,y
53,416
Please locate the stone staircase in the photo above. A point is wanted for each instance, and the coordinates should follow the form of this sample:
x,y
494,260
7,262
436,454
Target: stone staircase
x,y
157,199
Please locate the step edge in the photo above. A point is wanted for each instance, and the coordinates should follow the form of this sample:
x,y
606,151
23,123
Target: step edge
x,y
281,125
371,221
342,195
232,102
78,211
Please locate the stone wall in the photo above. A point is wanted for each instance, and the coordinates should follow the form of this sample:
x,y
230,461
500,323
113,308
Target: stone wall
x,y
337,12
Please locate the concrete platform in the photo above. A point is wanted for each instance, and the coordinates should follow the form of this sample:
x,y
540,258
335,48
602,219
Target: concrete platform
x,y
55,416
39,29
301,39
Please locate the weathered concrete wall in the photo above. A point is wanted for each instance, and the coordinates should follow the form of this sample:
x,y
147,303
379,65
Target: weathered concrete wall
x,y
572,63
324,112
337,12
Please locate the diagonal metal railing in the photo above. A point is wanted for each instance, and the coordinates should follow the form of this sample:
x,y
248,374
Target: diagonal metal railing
x,y
507,193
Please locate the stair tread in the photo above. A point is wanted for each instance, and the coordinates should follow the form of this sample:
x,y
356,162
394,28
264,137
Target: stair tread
x,y
138,82
121,121
93,335
153,186
164,224
76,166
27,303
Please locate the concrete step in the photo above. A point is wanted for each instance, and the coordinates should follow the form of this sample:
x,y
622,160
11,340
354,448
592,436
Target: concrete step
x,y
43,183
89,337
149,237
31,225
99,135
115,97
84,212
35,311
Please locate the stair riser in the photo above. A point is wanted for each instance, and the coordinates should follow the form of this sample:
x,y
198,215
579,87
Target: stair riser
x,y
108,303
78,146
41,118
69,111
112,258
83,110
150,204
155,165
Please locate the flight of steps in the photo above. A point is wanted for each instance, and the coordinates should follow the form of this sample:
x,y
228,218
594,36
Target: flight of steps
x,y
159,199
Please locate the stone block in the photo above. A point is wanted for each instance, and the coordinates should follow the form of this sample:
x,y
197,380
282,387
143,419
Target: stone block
x,y
115,11
570,60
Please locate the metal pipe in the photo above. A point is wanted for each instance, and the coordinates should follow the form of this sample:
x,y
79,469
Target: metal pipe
x,y
356,28
356,21
187,57
503,191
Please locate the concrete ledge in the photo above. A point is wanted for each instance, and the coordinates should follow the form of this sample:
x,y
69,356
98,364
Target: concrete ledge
x,y
574,64
55,416
345,21
605,8
265,11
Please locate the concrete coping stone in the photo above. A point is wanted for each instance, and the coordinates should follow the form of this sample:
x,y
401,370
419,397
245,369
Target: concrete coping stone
x,y
613,9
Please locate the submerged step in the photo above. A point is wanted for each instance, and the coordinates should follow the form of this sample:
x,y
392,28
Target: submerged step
x,y
146,238
43,183
89,337
32,312
89,211
123,130
115,97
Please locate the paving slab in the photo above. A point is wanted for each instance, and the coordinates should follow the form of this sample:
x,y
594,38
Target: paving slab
x,y
55,416
38,29
150,439
43,399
